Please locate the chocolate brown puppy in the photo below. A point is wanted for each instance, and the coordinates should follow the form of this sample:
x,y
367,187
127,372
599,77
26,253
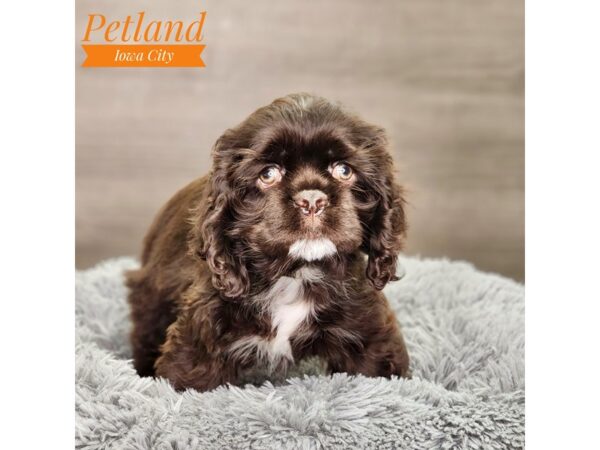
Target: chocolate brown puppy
x,y
279,253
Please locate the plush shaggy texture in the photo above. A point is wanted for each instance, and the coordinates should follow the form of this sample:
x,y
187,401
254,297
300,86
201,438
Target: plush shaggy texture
x,y
465,334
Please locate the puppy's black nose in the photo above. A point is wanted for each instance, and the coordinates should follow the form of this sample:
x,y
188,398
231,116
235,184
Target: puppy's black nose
x,y
311,202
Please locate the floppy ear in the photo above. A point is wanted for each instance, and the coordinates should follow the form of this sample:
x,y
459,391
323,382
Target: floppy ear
x,y
210,240
387,226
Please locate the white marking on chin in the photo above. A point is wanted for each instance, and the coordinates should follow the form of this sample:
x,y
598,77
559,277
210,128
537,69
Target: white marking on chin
x,y
312,249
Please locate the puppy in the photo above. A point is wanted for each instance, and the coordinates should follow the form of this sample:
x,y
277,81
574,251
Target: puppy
x,y
262,262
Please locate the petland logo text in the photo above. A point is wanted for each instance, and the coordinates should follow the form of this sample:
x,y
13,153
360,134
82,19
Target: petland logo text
x,y
139,42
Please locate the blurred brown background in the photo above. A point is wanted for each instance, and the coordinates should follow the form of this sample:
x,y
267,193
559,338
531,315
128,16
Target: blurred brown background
x,y
444,78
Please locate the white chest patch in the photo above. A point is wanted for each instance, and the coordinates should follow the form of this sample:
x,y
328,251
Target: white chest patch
x,y
312,249
288,310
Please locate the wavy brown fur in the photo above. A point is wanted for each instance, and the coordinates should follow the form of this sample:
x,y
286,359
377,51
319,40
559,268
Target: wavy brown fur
x,y
222,241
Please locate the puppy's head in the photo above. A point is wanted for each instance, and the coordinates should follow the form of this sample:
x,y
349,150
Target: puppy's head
x,y
300,180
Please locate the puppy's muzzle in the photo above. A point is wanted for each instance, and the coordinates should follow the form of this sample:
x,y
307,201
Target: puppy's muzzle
x,y
311,202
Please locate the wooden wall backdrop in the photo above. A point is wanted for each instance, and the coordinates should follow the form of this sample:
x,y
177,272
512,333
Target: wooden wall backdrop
x,y
444,78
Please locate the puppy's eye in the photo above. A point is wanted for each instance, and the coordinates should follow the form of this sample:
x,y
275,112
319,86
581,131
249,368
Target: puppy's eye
x,y
269,176
341,171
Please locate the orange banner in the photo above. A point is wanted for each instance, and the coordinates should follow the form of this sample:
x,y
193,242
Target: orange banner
x,y
143,55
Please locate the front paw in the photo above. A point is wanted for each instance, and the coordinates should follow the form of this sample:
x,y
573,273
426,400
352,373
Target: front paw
x,y
395,366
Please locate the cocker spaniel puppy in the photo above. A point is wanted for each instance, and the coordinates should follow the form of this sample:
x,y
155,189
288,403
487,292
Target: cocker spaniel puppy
x,y
262,262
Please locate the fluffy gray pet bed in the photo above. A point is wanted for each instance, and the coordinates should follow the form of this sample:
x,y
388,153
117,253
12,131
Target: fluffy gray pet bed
x,y
465,334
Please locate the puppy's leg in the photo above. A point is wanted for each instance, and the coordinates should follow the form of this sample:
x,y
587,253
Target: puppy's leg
x,y
190,357
382,352
151,314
